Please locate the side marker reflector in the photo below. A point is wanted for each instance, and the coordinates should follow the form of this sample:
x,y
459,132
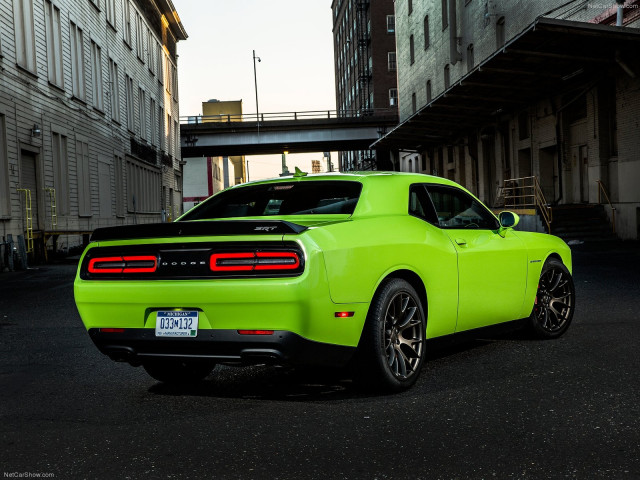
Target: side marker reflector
x,y
344,314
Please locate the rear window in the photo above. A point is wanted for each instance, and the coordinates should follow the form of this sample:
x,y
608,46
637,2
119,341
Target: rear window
x,y
286,198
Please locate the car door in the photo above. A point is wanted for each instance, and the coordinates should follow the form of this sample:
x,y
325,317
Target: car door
x,y
492,265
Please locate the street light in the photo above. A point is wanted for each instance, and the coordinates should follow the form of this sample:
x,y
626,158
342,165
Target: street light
x,y
255,79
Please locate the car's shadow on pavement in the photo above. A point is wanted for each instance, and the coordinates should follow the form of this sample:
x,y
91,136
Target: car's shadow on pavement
x,y
270,382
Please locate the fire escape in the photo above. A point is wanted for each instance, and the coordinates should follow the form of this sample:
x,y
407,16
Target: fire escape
x,y
364,72
363,31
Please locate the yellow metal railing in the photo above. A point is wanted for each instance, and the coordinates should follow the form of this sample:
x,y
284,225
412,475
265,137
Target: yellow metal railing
x,y
28,218
54,208
603,191
525,192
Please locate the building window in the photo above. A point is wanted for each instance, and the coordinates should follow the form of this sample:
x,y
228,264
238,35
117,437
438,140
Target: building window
x,y
60,171
426,32
167,74
143,185
161,132
84,178
139,37
445,14
159,58
151,63
54,44
111,13
96,76
391,24
142,112
153,122
393,97
169,136
500,38
5,205
412,57
174,81
470,59
447,77
176,136
391,61
25,34
429,94
114,90
77,62
410,6
129,102
119,186
414,104
126,22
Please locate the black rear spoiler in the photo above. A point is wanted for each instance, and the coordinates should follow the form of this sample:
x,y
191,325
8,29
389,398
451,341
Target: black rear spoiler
x,y
196,229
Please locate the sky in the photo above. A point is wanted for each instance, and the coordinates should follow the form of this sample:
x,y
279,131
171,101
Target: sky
x,y
294,41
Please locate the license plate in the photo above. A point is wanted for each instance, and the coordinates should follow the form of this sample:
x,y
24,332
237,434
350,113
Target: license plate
x,y
177,323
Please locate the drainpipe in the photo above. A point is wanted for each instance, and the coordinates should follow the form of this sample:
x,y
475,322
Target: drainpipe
x,y
560,152
620,15
454,54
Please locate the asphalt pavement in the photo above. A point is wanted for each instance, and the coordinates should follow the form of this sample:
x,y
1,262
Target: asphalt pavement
x,y
505,407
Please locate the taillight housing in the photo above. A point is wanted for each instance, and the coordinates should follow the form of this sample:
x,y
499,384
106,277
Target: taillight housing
x,y
123,264
256,261
194,260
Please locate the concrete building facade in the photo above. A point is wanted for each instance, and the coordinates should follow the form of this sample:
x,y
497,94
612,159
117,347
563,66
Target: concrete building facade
x,y
89,118
461,65
365,66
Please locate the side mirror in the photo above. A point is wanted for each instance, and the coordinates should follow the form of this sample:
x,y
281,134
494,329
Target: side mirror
x,y
508,220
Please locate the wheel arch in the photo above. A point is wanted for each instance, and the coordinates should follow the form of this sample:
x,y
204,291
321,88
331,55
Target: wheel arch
x,y
414,280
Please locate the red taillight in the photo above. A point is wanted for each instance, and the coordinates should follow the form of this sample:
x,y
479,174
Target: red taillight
x,y
277,261
254,261
255,332
344,314
128,264
236,262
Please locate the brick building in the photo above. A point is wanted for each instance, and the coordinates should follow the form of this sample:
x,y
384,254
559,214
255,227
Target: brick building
x,y
491,91
365,66
89,131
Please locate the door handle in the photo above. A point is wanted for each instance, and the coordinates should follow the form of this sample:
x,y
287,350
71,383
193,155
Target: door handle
x,y
461,241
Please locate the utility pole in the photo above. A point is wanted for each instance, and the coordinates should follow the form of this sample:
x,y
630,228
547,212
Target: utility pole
x,y
255,80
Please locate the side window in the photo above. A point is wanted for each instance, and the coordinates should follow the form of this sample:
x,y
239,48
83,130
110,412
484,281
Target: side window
x,y
457,209
420,205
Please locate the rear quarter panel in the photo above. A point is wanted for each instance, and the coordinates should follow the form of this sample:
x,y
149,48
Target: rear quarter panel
x,y
359,254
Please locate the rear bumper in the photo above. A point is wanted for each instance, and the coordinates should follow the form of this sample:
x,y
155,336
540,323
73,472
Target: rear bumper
x,y
135,345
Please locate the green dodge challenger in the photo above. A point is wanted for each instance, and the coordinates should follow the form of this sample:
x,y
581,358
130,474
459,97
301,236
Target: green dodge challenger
x,y
335,269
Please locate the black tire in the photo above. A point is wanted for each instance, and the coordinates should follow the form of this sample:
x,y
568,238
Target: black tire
x,y
392,345
554,303
178,371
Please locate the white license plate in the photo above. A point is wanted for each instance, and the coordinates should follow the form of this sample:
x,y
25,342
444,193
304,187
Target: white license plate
x,y
177,323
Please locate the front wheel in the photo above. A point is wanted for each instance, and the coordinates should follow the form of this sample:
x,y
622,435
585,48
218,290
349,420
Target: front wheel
x,y
392,347
555,301
177,371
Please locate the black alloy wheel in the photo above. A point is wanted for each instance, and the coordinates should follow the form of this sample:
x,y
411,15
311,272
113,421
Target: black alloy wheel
x,y
555,301
392,346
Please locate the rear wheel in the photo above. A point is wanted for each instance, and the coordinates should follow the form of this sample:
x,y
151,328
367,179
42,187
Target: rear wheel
x,y
555,301
392,346
177,371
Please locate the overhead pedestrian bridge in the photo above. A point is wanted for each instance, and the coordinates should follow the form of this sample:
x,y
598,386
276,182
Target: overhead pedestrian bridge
x,y
293,132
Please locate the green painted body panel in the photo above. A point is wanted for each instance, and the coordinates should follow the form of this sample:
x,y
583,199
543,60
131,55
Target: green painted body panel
x,y
489,278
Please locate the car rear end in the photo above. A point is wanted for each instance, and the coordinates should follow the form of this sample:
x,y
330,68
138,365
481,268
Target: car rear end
x,y
232,290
